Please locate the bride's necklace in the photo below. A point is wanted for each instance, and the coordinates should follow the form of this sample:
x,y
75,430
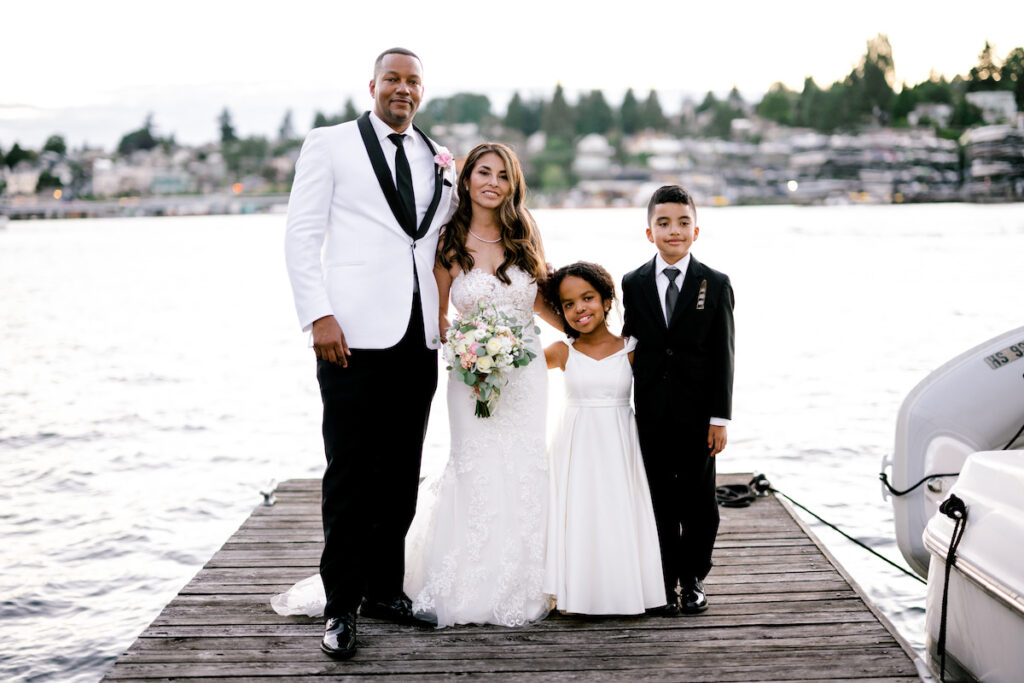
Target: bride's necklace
x,y
483,240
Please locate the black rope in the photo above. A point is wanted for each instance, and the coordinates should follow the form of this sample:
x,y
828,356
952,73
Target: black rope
x,y
885,480
955,509
846,535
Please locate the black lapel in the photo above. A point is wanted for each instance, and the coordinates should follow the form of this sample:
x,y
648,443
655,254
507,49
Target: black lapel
x,y
428,217
691,283
381,170
650,290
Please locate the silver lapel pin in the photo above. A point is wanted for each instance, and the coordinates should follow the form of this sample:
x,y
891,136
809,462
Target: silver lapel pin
x,y
702,294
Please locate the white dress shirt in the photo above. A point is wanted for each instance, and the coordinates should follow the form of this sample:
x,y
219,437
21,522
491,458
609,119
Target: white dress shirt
x,y
421,162
661,280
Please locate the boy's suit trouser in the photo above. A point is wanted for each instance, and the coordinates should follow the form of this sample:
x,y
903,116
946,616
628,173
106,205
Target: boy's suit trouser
x,y
682,481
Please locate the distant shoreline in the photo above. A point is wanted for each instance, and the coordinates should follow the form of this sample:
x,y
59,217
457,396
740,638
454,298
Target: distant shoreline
x,y
230,204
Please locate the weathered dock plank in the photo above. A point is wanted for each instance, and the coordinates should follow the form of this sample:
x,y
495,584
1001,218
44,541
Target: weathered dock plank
x,y
781,610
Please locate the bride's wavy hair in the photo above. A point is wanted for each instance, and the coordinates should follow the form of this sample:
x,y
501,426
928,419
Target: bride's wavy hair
x,y
519,234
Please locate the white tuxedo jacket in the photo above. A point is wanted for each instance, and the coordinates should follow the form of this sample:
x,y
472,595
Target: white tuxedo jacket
x,y
346,251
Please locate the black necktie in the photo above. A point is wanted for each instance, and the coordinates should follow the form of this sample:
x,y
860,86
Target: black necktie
x,y
672,293
403,181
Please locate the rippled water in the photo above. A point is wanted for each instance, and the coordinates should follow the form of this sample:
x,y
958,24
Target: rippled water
x,y
152,380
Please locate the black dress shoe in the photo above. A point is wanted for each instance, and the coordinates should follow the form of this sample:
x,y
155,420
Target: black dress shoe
x,y
691,598
397,610
669,609
340,636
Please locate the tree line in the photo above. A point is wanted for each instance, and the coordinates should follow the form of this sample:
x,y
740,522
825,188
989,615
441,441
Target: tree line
x,y
865,97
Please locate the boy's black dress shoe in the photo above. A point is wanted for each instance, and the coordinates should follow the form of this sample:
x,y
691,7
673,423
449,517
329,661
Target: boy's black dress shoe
x,y
397,610
692,599
340,636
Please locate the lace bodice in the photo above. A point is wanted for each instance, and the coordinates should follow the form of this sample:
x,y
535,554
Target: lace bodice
x,y
516,299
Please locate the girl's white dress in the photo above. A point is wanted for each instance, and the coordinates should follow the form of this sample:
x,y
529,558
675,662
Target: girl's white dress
x,y
603,555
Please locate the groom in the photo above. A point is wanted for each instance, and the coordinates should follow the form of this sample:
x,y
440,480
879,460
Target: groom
x,y
365,209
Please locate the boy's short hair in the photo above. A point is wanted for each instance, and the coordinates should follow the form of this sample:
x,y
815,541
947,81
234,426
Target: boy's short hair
x,y
670,194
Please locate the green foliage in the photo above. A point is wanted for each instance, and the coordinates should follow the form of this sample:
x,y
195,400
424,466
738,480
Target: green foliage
x,y
651,116
286,131
522,116
320,120
1012,75
720,125
16,155
965,115
557,119
935,89
246,156
459,108
873,79
48,181
55,143
778,105
350,113
593,115
553,178
735,99
554,164
136,140
904,103
709,103
629,114
227,129
985,74
717,115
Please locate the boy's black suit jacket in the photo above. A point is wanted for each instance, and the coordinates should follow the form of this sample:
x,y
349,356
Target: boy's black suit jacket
x,y
682,370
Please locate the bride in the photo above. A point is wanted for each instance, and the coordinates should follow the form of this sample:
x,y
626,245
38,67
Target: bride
x,y
477,555
476,549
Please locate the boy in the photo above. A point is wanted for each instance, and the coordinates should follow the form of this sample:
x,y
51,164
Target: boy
x,y
680,313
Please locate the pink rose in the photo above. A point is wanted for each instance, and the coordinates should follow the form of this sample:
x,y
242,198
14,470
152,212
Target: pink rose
x,y
443,158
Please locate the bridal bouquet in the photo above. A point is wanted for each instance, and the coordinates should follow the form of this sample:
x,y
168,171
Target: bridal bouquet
x,y
482,347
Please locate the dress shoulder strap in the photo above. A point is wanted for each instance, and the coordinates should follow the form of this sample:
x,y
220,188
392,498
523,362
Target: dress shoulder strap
x,y
630,344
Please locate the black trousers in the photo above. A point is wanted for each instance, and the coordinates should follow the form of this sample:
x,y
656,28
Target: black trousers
x,y
374,423
682,479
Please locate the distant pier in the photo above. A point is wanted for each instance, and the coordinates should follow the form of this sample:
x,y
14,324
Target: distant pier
x,y
781,609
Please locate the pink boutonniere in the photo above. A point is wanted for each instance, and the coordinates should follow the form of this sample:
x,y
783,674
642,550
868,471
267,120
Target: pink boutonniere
x,y
444,158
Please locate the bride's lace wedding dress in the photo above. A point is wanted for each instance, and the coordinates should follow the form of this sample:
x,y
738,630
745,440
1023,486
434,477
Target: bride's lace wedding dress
x,y
476,549
475,553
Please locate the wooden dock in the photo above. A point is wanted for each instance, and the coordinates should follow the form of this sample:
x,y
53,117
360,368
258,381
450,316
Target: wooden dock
x,y
781,610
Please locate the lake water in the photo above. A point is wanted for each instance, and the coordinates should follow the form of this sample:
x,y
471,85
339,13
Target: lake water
x,y
153,380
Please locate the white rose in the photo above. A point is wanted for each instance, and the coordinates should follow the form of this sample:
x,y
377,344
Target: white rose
x,y
483,363
494,345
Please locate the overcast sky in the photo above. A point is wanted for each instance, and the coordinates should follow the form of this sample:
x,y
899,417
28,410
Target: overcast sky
x,y
92,70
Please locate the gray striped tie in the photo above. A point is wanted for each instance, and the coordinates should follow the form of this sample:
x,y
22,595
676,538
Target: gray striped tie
x,y
672,293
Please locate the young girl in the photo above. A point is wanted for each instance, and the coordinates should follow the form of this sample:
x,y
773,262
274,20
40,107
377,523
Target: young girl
x,y
603,555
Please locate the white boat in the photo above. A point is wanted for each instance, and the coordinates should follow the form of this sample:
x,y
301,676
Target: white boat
x,y
984,614
959,432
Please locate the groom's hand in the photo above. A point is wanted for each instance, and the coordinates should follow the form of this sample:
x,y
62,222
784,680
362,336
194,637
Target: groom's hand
x,y
717,438
329,341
